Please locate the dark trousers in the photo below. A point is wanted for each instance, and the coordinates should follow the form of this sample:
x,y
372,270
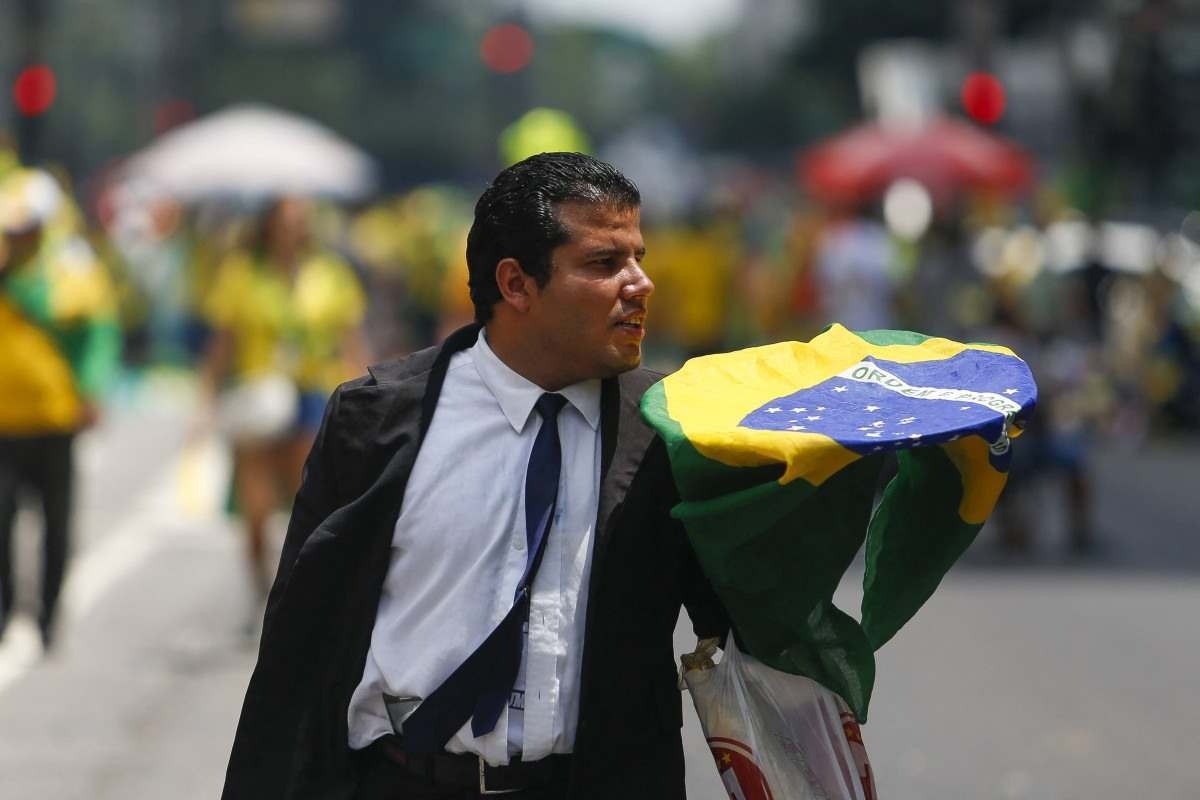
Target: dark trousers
x,y
40,466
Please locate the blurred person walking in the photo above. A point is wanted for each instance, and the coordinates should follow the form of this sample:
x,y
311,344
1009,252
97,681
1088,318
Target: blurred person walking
x,y
698,260
286,317
1075,400
59,347
163,269
853,271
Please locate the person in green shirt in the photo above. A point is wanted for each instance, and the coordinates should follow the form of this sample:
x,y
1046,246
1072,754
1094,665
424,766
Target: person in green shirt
x,y
59,348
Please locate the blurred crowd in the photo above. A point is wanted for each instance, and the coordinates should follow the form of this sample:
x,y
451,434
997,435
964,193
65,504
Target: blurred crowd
x,y
271,301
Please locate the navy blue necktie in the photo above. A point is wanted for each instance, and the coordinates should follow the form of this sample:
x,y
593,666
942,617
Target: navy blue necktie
x,y
481,686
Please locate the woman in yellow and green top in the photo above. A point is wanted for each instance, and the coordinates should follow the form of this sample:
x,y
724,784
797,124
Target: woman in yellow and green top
x,y
59,348
283,311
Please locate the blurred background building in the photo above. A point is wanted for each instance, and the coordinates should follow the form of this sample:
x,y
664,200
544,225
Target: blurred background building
x,y
1086,82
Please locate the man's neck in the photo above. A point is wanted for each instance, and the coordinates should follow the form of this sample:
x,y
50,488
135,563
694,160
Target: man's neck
x,y
521,357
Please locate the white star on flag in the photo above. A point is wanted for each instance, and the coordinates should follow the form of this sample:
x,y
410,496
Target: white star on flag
x,y
877,423
872,408
813,419
914,436
964,408
875,435
774,410
820,408
799,410
797,428
839,388
1010,391
908,420
868,428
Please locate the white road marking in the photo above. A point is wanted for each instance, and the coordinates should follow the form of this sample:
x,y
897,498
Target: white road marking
x,y
189,489
21,649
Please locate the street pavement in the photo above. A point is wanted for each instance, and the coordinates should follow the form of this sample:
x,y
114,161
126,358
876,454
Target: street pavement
x,y
1041,677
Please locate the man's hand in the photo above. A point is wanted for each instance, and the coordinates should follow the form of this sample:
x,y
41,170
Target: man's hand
x,y
702,656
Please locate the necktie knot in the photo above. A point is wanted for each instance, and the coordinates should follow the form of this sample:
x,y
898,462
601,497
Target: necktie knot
x,y
549,404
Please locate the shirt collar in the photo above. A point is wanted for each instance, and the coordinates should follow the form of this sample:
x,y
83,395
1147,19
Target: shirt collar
x,y
517,394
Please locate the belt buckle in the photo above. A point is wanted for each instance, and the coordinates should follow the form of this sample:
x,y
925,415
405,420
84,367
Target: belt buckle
x,y
483,790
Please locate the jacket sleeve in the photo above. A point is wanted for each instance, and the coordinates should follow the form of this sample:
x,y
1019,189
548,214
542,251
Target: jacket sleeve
x,y
316,499
703,606
261,762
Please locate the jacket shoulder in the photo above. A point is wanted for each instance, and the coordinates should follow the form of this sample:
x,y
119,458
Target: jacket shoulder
x,y
389,372
420,362
636,382
399,369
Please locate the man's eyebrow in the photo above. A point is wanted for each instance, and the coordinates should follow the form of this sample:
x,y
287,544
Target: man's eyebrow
x,y
609,252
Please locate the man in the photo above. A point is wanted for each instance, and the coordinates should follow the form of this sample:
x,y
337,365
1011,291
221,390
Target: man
x,y
59,347
386,660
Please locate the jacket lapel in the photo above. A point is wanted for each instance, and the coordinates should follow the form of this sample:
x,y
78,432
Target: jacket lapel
x,y
624,439
397,410
391,415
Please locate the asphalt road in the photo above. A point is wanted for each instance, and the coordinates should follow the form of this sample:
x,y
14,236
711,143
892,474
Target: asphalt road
x,y
1043,677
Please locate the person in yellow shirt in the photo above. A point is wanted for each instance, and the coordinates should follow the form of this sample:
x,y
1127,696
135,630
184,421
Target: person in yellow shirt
x,y
59,347
287,318
694,273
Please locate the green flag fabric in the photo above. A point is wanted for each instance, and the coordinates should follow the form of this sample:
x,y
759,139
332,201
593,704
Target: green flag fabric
x,y
777,452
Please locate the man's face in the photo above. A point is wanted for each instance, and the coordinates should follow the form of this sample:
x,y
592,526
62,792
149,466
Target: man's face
x,y
590,316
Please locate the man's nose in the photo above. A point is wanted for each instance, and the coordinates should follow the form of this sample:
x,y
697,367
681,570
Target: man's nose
x,y
639,284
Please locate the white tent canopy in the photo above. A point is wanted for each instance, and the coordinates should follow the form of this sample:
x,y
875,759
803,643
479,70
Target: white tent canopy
x,y
253,151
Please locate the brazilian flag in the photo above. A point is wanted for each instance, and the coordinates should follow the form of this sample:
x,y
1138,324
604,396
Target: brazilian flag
x,y
777,452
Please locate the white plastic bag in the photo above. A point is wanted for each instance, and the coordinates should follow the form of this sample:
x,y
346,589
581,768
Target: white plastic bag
x,y
777,736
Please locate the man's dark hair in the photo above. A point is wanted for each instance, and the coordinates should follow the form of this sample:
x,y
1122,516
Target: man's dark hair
x,y
517,216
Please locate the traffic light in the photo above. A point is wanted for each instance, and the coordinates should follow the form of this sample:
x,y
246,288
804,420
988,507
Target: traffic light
x,y
983,97
506,48
34,90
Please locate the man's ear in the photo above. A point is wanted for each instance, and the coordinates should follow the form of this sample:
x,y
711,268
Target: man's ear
x,y
517,288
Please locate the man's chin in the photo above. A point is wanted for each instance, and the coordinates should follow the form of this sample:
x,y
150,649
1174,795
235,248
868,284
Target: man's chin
x,y
624,360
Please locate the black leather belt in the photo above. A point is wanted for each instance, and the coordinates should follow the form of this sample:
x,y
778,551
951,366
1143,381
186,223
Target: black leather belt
x,y
469,772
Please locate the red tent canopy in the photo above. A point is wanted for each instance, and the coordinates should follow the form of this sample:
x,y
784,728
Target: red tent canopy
x,y
945,154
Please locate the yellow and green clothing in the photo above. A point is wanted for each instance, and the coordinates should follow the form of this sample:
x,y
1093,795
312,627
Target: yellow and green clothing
x,y
291,324
693,269
59,339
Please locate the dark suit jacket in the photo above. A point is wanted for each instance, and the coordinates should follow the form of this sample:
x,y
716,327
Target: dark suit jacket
x,y
291,739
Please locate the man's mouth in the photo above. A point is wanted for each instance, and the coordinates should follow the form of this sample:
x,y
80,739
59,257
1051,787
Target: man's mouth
x,y
636,323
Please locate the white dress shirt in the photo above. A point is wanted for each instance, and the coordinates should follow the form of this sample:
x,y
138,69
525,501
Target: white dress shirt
x,y
459,549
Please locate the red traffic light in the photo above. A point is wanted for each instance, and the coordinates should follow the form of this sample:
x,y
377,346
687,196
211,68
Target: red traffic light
x,y
506,48
34,90
983,97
